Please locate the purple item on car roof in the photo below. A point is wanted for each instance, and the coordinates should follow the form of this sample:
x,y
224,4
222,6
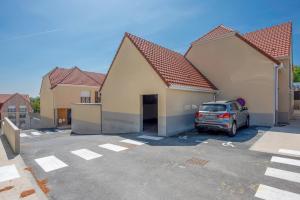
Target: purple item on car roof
x,y
241,101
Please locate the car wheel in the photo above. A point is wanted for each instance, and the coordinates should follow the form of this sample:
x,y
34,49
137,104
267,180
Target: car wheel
x,y
247,124
233,130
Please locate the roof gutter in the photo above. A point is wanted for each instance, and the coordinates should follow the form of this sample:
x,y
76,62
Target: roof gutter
x,y
193,89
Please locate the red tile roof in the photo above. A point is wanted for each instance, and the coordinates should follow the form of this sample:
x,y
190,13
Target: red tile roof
x,y
75,76
172,67
216,32
5,97
275,40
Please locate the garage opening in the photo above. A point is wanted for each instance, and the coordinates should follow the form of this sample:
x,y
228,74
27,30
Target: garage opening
x,y
150,113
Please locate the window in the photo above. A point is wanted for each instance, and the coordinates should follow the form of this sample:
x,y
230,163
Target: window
x,y
85,97
11,109
97,97
22,112
11,113
213,107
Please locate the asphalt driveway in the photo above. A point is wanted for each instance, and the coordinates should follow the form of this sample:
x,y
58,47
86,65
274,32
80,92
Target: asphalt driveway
x,y
189,166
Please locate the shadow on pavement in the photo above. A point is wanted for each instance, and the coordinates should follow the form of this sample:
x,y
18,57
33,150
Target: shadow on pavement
x,y
190,138
8,150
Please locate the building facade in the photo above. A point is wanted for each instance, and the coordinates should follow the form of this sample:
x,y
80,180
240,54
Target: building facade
x,y
17,108
62,87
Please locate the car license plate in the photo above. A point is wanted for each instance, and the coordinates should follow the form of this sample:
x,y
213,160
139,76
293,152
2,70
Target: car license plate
x,y
210,117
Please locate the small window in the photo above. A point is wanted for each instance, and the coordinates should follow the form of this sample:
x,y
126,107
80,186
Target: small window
x,y
11,109
85,97
11,113
22,111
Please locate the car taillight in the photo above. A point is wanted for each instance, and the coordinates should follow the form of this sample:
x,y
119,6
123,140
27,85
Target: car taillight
x,y
224,116
198,115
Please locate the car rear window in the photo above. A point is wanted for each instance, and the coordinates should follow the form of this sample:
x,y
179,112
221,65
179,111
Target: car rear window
x,y
213,107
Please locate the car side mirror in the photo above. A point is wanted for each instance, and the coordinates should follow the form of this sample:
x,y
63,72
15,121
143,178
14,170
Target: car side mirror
x,y
244,108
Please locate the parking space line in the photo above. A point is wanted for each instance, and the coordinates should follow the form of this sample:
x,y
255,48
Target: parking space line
x,y
282,174
8,172
148,137
113,147
50,163
86,154
271,193
287,161
35,133
290,152
132,142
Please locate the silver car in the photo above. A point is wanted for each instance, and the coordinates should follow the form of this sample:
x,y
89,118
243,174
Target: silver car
x,y
222,115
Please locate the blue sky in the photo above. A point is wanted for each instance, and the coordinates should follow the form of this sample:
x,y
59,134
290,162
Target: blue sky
x,y
36,36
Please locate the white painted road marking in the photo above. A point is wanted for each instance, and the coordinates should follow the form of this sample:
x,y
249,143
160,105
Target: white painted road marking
x,y
290,152
113,147
270,193
287,161
148,137
50,163
282,174
132,142
227,144
183,137
35,133
24,135
8,172
86,154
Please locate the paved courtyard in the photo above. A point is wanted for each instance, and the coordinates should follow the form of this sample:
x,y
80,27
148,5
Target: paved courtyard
x,y
136,166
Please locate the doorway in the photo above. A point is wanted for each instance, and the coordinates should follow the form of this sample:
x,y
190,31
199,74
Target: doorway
x,y
62,116
69,116
150,113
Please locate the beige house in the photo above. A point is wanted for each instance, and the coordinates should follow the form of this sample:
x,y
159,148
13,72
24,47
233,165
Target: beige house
x,y
150,88
60,88
17,108
256,66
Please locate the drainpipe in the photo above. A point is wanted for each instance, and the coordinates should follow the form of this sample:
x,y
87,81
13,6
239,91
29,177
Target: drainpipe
x,y
101,121
276,71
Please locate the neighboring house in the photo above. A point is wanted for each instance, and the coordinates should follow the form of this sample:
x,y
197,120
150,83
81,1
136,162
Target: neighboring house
x,y
151,88
256,66
60,88
17,108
